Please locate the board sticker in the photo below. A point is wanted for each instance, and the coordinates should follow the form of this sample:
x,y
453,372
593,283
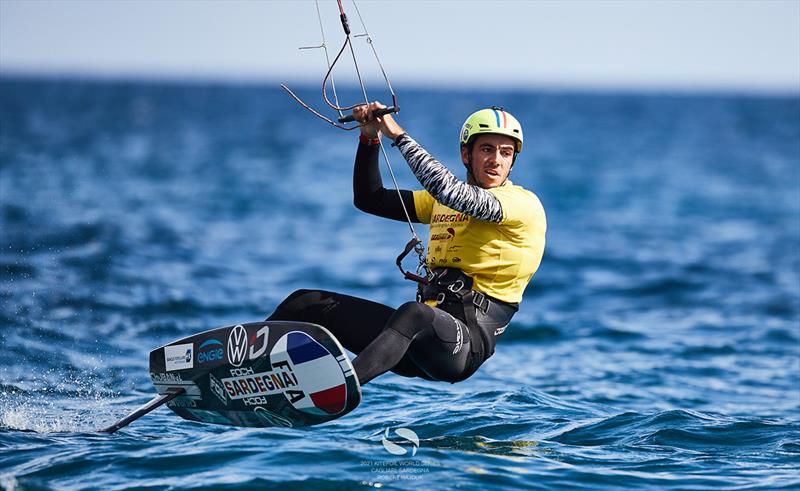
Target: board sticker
x,y
178,357
274,373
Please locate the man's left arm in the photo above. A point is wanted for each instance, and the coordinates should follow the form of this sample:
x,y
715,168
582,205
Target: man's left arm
x,y
445,187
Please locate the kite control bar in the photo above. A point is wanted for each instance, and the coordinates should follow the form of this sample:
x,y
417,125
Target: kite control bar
x,y
378,112
335,104
415,244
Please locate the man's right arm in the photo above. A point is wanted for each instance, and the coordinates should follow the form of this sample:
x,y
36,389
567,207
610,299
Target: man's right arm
x,y
370,196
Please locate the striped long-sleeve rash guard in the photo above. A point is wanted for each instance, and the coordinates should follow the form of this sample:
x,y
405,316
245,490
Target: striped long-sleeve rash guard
x,y
496,235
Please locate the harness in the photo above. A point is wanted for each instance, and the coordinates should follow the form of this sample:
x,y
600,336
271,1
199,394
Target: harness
x,y
450,289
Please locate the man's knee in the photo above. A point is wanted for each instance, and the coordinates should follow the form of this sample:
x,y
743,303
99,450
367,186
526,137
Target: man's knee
x,y
296,303
411,318
298,295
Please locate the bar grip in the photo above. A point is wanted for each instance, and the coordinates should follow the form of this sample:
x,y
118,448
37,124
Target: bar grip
x,y
379,112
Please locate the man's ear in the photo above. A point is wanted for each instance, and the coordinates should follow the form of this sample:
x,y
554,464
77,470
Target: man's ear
x,y
464,155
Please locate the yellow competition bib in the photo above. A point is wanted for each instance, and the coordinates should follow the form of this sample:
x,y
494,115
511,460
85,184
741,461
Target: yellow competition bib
x,y
500,257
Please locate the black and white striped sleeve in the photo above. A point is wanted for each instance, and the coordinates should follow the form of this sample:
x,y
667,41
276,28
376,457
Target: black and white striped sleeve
x,y
445,187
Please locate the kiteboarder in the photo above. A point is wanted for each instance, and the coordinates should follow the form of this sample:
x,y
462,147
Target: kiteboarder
x,y
487,237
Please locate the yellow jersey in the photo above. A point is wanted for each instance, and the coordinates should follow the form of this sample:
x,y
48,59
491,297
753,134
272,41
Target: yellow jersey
x,y
500,257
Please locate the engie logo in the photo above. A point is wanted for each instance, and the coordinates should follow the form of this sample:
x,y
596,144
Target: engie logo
x,y
408,438
178,357
210,350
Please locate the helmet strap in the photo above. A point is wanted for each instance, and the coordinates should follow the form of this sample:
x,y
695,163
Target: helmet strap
x,y
468,163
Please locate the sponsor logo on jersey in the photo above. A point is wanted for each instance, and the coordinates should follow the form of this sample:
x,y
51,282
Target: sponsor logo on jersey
x,y
449,217
451,232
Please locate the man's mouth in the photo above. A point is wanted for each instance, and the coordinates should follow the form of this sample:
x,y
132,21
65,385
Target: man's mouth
x,y
492,172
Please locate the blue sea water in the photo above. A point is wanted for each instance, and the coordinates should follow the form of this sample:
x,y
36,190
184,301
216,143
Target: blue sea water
x,y
657,347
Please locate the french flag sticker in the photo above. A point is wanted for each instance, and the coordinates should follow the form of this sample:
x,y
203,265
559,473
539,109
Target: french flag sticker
x,y
500,115
318,372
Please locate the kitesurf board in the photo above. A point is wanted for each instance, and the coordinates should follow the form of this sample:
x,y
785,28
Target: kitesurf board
x,y
274,373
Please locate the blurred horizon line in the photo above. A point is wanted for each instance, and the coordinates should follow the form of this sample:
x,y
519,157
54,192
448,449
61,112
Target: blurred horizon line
x,y
215,79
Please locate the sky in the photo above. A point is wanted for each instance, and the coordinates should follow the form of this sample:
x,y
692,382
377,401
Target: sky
x,y
686,45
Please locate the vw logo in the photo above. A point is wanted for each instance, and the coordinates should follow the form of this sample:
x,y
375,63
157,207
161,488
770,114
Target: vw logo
x,y
237,345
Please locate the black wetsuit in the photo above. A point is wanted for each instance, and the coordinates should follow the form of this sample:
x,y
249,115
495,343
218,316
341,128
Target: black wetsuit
x,y
414,340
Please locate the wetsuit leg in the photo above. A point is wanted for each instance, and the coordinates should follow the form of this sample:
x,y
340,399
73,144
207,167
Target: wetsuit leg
x,y
354,321
436,342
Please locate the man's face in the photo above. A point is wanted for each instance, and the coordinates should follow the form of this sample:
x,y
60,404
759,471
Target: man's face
x,y
492,157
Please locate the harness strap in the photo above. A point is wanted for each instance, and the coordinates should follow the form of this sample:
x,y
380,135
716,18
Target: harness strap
x,y
452,289
471,301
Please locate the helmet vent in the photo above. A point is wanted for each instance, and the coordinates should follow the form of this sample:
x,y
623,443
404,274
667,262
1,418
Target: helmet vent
x,y
483,125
